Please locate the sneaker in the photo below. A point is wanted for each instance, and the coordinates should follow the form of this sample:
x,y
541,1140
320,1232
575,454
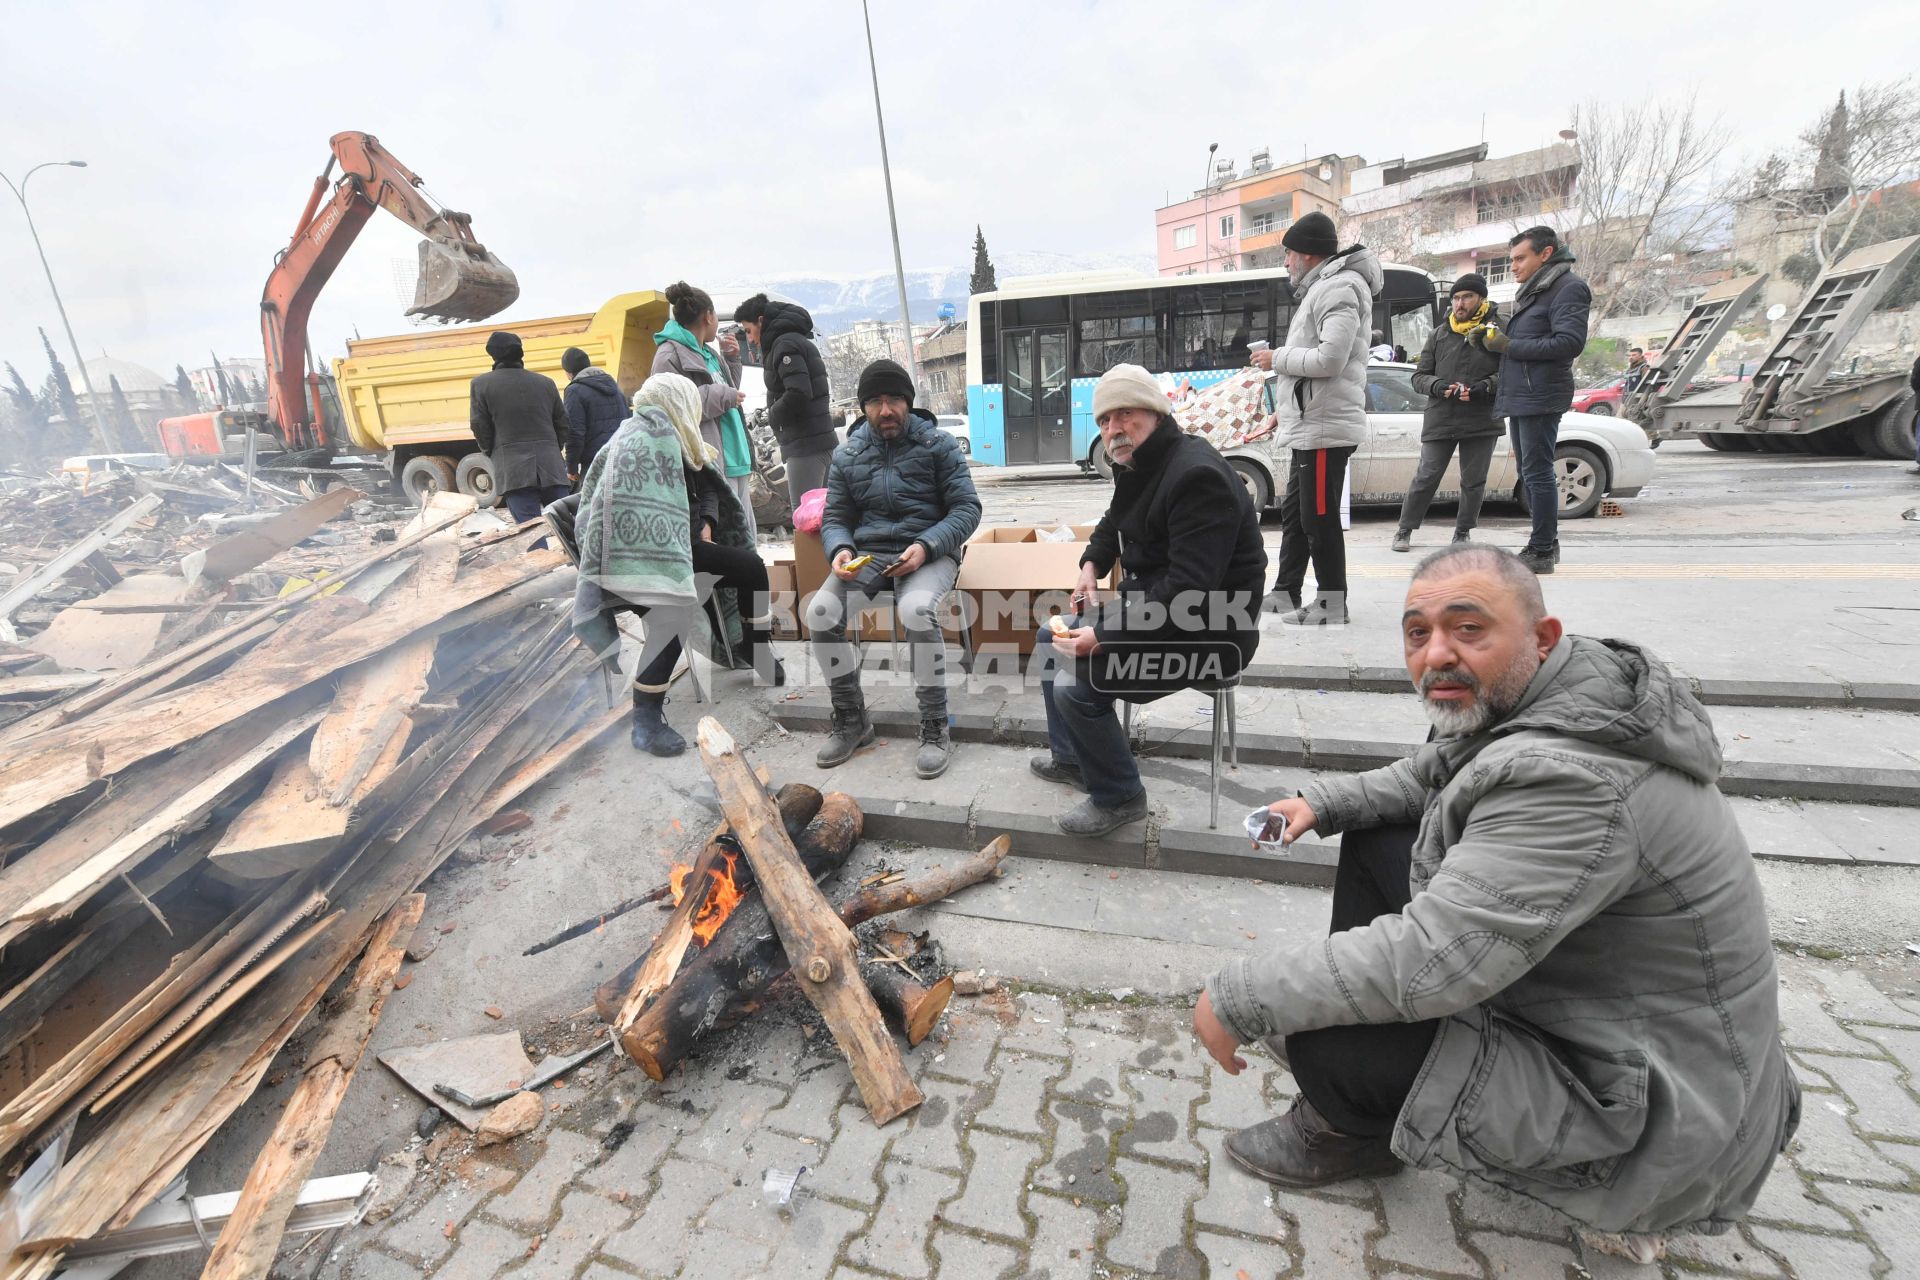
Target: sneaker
x,y
1053,771
1402,541
1090,819
936,748
1300,1149
851,731
1460,536
1277,601
1327,611
1541,562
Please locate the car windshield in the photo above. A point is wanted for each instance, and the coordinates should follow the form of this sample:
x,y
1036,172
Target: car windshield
x,y
1391,391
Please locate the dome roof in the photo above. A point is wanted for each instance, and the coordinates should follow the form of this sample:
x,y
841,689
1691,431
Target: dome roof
x,y
133,377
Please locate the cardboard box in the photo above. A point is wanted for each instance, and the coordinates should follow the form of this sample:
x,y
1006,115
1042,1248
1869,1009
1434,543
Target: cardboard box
x,y
1013,582
786,601
810,574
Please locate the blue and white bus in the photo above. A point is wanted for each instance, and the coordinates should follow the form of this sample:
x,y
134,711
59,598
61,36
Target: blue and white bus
x,y
1036,347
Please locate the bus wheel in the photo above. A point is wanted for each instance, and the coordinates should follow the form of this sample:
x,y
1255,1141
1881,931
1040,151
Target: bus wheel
x,y
474,476
425,476
1101,462
1259,488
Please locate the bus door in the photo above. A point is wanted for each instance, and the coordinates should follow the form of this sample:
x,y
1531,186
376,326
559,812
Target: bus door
x,y
1038,395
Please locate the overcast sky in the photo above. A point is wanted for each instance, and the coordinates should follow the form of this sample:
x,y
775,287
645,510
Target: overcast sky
x,y
613,147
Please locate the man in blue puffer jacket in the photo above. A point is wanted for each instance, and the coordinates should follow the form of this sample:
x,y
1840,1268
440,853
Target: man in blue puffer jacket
x,y
1546,332
899,491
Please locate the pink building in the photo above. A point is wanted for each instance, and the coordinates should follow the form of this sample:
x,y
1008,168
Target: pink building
x,y
1236,223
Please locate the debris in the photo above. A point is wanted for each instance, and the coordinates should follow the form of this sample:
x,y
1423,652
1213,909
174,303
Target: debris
x,y
778,1185
508,1120
402,982
502,824
428,1120
477,1065
449,927
974,984
494,1011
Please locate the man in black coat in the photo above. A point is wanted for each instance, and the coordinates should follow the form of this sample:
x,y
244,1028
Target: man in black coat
x,y
1187,540
1458,375
595,409
516,416
1546,332
797,390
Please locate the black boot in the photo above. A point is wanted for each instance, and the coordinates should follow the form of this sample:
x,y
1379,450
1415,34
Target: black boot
x,y
651,733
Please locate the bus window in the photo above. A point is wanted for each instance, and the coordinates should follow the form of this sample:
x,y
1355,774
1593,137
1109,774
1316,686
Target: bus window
x,y
1213,323
1116,328
989,340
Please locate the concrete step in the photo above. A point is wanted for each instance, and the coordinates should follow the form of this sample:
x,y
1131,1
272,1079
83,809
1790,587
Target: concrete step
x,y
988,789
1851,756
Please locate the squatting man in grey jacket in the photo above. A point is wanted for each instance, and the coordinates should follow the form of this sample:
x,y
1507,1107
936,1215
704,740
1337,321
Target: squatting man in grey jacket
x,y
1549,965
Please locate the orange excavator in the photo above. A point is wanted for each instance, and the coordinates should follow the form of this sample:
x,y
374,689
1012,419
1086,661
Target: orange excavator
x,y
458,280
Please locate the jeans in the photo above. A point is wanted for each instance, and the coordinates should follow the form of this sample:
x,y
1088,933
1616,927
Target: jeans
x,y
1086,734
740,568
1476,455
805,473
1533,437
916,603
1359,1076
742,487
525,504
1310,522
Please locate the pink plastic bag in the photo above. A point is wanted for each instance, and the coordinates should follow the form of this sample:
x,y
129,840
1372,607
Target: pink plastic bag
x,y
812,511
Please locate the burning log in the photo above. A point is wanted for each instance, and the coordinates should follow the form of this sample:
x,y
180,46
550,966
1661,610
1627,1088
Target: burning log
x,y
909,1008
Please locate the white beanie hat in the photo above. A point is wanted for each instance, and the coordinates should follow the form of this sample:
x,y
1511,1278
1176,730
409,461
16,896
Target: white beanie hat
x,y
1128,386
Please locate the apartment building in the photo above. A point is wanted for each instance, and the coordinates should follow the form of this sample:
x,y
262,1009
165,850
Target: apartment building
x,y
1236,221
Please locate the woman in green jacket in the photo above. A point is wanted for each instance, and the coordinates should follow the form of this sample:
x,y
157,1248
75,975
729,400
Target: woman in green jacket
x,y
684,347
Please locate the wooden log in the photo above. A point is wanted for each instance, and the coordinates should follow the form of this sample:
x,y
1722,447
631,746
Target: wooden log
x,y
819,946
252,1234
909,1008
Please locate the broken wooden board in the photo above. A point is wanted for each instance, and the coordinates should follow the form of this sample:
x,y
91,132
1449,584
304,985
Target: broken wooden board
x,y
86,639
236,553
53,570
475,1065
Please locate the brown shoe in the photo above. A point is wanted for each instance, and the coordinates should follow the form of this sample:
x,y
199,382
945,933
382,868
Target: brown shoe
x,y
1300,1149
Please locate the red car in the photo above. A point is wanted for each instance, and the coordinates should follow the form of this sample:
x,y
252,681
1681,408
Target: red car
x,y
1603,399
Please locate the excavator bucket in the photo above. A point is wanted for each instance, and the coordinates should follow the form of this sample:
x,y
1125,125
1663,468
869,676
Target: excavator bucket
x,y
461,282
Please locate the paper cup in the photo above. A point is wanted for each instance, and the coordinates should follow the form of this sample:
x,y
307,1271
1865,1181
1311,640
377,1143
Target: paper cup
x,y
1257,829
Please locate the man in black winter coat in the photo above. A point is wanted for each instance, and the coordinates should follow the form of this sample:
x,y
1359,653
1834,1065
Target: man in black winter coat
x,y
1185,535
1458,375
595,409
517,418
797,391
1545,333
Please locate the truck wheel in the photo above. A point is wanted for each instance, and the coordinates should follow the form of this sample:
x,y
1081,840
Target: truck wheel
x,y
474,475
425,476
1714,441
1893,433
1580,475
1259,488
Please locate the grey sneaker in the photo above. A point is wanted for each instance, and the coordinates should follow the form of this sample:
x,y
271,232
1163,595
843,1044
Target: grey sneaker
x,y
1053,771
1090,819
936,748
1460,536
1541,562
851,731
1402,541
1327,611
1300,1149
1278,602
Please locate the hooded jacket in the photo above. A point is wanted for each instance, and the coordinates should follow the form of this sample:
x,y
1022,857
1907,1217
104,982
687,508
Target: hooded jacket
x,y
883,495
1320,397
719,414
1451,357
516,417
796,381
595,409
1587,928
1546,332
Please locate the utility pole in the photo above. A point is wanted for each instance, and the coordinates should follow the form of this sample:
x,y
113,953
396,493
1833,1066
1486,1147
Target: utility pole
x,y
893,221
1206,214
80,364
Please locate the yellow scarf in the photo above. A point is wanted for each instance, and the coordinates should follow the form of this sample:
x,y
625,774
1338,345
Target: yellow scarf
x,y
1475,321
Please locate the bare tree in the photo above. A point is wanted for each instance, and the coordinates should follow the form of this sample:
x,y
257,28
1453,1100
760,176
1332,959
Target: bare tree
x,y
1855,153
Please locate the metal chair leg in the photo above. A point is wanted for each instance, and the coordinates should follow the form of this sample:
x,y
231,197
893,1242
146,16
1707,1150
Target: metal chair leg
x,y
1219,730
1233,728
1126,720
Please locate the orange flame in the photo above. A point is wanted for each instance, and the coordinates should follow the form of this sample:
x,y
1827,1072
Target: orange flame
x,y
723,895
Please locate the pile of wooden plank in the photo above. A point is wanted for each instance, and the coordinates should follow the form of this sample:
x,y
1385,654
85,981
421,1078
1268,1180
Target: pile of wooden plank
x,y
193,849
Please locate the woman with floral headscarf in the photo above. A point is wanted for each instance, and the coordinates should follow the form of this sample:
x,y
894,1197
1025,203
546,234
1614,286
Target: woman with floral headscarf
x,y
661,533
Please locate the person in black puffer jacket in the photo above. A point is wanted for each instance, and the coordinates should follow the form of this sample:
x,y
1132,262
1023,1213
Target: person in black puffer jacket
x,y
595,409
1183,531
1458,375
797,392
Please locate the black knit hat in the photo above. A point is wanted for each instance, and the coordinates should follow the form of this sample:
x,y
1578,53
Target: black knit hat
x,y
505,347
574,360
1313,234
885,378
1472,282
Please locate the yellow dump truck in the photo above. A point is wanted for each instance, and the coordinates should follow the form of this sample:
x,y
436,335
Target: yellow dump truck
x,y
406,396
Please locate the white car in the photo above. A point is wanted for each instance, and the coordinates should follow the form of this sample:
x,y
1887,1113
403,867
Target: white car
x,y
1596,456
957,426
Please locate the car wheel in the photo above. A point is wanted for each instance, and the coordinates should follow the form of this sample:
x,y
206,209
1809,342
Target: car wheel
x,y
474,475
1580,476
1258,487
1603,408
425,476
1097,456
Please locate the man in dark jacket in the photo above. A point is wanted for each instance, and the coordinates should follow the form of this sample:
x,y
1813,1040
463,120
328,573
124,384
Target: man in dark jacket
x,y
898,491
1546,332
595,409
517,418
1637,370
1458,375
1187,539
797,391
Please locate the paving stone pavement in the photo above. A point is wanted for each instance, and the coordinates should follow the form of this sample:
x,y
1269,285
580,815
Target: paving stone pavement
x,y
1066,1136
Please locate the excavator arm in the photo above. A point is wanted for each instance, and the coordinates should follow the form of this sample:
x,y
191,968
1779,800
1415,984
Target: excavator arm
x,y
458,280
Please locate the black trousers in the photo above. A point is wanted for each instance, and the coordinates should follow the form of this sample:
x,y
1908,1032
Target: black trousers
x,y
1310,522
738,567
1358,1077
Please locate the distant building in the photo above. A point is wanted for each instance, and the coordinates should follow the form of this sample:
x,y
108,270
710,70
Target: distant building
x,y
943,369
846,354
1235,223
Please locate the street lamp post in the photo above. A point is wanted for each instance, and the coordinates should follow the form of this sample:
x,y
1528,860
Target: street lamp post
x,y
1206,213
893,222
20,194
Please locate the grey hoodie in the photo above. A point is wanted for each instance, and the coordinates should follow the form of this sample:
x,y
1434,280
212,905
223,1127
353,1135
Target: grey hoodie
x,y
1587,927
1320,397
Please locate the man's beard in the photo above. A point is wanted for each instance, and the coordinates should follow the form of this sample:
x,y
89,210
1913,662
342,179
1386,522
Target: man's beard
x,y
1489,705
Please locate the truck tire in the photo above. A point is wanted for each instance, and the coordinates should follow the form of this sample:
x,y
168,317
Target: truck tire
x,y
1714,441
1259,488
473,475
425,476
1893,432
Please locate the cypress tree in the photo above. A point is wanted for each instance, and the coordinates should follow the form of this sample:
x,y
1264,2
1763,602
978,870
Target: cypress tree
x,y
77,435
983,278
